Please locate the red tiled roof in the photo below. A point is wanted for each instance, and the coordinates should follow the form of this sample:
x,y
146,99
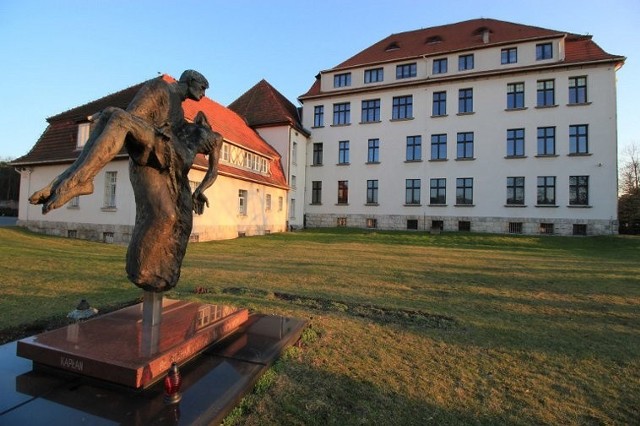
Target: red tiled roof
x,y
465,35
58,142
264,106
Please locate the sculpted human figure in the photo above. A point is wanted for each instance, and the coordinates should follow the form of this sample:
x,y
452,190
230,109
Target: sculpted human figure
x,y
162,147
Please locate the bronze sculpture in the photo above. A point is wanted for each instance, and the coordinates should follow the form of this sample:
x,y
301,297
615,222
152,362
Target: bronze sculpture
x,y
162,147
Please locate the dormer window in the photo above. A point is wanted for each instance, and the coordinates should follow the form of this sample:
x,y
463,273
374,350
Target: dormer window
x,y
544,51
342,80
83,134
392,46
434,39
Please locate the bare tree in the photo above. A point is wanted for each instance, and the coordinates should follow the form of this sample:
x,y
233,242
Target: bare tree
x,y
630,170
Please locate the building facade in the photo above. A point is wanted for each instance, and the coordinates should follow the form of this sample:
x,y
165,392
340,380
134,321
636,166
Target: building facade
x,y
482,125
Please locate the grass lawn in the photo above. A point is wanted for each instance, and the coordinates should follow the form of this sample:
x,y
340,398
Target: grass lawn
x,y
405,328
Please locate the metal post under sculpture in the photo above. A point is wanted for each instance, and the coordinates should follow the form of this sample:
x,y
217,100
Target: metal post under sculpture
x,y
162,147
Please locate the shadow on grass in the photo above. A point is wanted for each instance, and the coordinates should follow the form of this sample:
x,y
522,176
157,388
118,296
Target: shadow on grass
x,y
313,396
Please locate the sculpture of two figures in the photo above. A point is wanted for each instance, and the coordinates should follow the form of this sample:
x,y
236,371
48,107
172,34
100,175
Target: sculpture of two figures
x,y
162,147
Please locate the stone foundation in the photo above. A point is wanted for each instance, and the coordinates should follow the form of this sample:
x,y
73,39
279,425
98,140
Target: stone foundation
x,y
497,225
121,234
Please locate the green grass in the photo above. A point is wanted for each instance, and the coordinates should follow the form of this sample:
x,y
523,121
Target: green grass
x,y
405,328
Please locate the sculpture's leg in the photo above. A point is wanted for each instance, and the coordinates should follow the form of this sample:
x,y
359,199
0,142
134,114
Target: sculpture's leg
x,y
105,142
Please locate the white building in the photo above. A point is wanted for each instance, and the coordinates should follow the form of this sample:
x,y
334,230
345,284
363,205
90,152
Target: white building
x,y
248,198
481,125
277,121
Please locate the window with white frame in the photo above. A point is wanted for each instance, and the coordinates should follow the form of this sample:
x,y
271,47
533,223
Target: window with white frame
x,y
110,180
83,134
243,194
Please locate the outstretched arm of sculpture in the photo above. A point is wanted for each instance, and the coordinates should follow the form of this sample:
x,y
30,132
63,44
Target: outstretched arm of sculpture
x,y
212,147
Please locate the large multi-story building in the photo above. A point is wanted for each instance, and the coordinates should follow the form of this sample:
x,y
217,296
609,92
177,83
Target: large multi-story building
x,y
482,125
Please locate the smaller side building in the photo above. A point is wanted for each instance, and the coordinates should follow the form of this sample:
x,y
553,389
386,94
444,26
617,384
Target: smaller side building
x,y
278,122
248,198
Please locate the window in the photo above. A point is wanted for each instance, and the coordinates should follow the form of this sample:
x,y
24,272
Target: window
x,y
464,226
372,192
579,190
544,51
342,80
317,153
465,62
226,152
515,95
280,203
341,221
579,229
546,140
439,103
294,156
371,111
412,191
515,143
439,147
414,148
515,227
343,152
72,233
438,191
412,224
546,228
579,139
110,180
316,192
74,203
546,190
341,114
242,202
373,75
343,192
402,107
464,191
440,66
372,223
437,225
577,90
546,93
267,202
107,237
465,145
292,208
83,134
318,116
515,190
294,182
373,151
406,71
465,101
509,55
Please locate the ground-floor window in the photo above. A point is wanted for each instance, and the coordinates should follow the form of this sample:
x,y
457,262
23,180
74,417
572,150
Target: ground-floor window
x,y
464,226
515,227
546,228
107,237
579,229
412,224
372,223
437,224
342,221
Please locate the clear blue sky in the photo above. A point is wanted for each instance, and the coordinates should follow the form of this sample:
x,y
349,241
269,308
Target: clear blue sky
x,y
59,54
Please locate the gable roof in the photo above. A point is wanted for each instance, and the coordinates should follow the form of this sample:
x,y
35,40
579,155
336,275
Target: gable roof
x,y
264,106
58,142
467,35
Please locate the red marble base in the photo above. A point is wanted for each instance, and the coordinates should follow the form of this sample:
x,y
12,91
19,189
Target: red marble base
x,y
118,348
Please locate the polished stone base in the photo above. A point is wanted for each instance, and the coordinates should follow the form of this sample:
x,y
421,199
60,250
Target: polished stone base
x,y
212,384
120,348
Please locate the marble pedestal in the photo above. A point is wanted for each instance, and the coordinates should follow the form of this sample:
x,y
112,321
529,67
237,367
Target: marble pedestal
x,y
121,348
